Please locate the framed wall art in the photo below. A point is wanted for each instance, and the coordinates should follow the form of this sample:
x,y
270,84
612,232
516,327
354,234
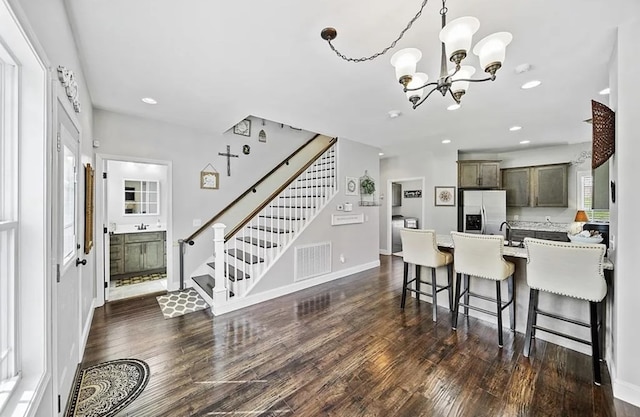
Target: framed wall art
x,y
89,174
243,128
209,178
445,196
351,186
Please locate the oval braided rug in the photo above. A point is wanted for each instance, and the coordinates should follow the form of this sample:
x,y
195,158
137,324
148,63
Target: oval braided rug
x,y
105,389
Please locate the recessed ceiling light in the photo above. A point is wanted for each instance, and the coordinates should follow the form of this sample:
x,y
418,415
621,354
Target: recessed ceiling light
x,y
455,106
531,84
524,142
380,153
605,91
149,100
446,141
394,114
514,128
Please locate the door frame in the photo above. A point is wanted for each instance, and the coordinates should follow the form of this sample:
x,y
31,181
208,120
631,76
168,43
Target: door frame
x,y
390,209
102,266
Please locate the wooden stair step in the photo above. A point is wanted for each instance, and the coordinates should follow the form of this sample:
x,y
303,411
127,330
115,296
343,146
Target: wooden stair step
x,y
280,217
295,207
232,272
244,256
206,282
258,242
269,229
301,196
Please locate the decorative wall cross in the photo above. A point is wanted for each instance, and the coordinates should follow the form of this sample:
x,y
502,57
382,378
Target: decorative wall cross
x,y
229,155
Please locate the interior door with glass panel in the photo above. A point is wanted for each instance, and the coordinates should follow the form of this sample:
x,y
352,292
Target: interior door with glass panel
x,y
67,236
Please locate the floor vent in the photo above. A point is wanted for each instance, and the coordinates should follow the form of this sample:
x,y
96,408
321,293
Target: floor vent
x,y
312,260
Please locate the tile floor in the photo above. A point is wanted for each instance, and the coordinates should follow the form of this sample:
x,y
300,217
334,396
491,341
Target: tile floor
x,y
134,290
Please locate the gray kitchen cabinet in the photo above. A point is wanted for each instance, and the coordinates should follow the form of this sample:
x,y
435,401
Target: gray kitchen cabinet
x,y
479,174
132,253
518,235
396,194
601,187
550,186
516,181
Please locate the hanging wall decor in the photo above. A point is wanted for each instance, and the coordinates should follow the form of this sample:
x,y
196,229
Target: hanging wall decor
x,y
89,174
243,128
367,190
209,178
262,136
246,149
229,155
68,80
351,186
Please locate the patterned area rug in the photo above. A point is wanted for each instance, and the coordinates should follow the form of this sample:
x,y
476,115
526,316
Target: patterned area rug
x,y
138,279
178,303
103,390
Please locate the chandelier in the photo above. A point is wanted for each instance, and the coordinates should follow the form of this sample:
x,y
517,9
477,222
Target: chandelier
x,y
455,37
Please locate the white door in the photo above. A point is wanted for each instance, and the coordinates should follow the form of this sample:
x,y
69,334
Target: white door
x,y
67,246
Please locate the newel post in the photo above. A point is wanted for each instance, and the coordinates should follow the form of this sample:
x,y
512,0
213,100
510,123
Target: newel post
x,y
220,290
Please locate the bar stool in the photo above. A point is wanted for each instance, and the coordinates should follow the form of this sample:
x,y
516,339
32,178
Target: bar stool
x,y
419,248
481,256
572,270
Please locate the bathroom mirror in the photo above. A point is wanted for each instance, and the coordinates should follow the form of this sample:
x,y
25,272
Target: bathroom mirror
x,y
141,197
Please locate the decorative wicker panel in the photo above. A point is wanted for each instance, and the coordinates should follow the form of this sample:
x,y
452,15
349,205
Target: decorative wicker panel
x,y
604,133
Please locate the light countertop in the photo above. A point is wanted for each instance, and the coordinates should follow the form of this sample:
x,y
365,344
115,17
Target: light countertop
x,y
540,226
131,228
445,241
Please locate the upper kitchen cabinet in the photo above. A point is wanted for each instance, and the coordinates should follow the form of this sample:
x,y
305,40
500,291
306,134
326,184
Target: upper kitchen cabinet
x,y
516,181
479,174
550,186
537,186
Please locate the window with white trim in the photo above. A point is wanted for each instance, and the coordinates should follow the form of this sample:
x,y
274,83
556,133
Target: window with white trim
x,y
585,197
8,224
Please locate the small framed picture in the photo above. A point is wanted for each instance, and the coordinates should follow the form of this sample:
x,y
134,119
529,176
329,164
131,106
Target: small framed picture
x,y
243,128
351,186
209,180
445,196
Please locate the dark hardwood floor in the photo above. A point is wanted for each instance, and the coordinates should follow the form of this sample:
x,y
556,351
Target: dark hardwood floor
x,y
342,349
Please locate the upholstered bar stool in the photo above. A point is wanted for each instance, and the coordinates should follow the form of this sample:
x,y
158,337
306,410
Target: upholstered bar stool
x,y
419,248
481,256
572,270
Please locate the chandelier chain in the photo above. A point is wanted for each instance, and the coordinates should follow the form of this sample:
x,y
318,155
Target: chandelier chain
x,y
392,45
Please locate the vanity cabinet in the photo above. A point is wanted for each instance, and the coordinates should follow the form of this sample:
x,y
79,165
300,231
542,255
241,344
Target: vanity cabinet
x,y
536,186
479,174
137,252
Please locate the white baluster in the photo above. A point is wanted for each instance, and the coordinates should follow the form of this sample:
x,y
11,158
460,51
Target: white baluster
x,y
220,294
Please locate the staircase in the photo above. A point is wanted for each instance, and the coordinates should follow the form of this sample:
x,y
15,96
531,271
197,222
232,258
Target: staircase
x,y
248,254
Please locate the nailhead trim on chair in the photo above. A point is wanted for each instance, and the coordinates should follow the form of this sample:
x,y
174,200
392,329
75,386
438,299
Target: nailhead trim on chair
x,y
572,245
481,237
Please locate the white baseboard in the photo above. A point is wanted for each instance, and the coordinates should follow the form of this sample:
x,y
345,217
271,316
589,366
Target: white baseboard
x,y
86,329
294,287
385,252
626,392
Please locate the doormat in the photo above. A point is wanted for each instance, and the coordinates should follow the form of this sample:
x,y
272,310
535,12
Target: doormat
x,y
178,303
103,390
138,279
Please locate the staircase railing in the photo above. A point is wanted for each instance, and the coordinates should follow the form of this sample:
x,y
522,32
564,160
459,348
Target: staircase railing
x,y
239,212
253,249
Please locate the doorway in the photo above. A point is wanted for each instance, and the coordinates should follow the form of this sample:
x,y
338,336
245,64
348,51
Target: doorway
x,y
134,205
405,208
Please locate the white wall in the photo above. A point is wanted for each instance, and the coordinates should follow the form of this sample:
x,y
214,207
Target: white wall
x,y
624,100
118,172
190,151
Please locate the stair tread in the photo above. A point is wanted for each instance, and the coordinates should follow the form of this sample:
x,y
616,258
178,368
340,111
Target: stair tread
x,y
244,256
258,242
232,272
206,282
269,229
296,207
264,216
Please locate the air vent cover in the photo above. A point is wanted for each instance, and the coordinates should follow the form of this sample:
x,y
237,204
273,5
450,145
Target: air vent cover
x,y
312,260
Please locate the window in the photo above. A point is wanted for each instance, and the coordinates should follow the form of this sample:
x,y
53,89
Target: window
x,y
585,197
8,224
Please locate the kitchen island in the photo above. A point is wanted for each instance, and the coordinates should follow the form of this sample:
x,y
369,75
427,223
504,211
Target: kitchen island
x,y
565,306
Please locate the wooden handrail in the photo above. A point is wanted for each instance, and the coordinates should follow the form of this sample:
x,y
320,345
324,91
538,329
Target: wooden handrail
x,y
251,189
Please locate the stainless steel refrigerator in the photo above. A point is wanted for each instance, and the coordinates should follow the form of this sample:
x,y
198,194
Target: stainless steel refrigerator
x,y
482,211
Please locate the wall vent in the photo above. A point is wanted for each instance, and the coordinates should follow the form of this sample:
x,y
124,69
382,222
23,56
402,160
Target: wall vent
x,y
312,260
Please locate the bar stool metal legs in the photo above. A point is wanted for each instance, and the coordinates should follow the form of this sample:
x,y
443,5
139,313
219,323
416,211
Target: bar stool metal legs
x,y
435,287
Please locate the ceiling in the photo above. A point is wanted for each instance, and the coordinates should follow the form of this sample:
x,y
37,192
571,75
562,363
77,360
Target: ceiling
x,y
210,64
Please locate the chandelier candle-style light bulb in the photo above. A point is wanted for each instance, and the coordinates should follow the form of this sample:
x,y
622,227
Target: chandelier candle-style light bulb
x,y
491,51
419,79
405,61
456,36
